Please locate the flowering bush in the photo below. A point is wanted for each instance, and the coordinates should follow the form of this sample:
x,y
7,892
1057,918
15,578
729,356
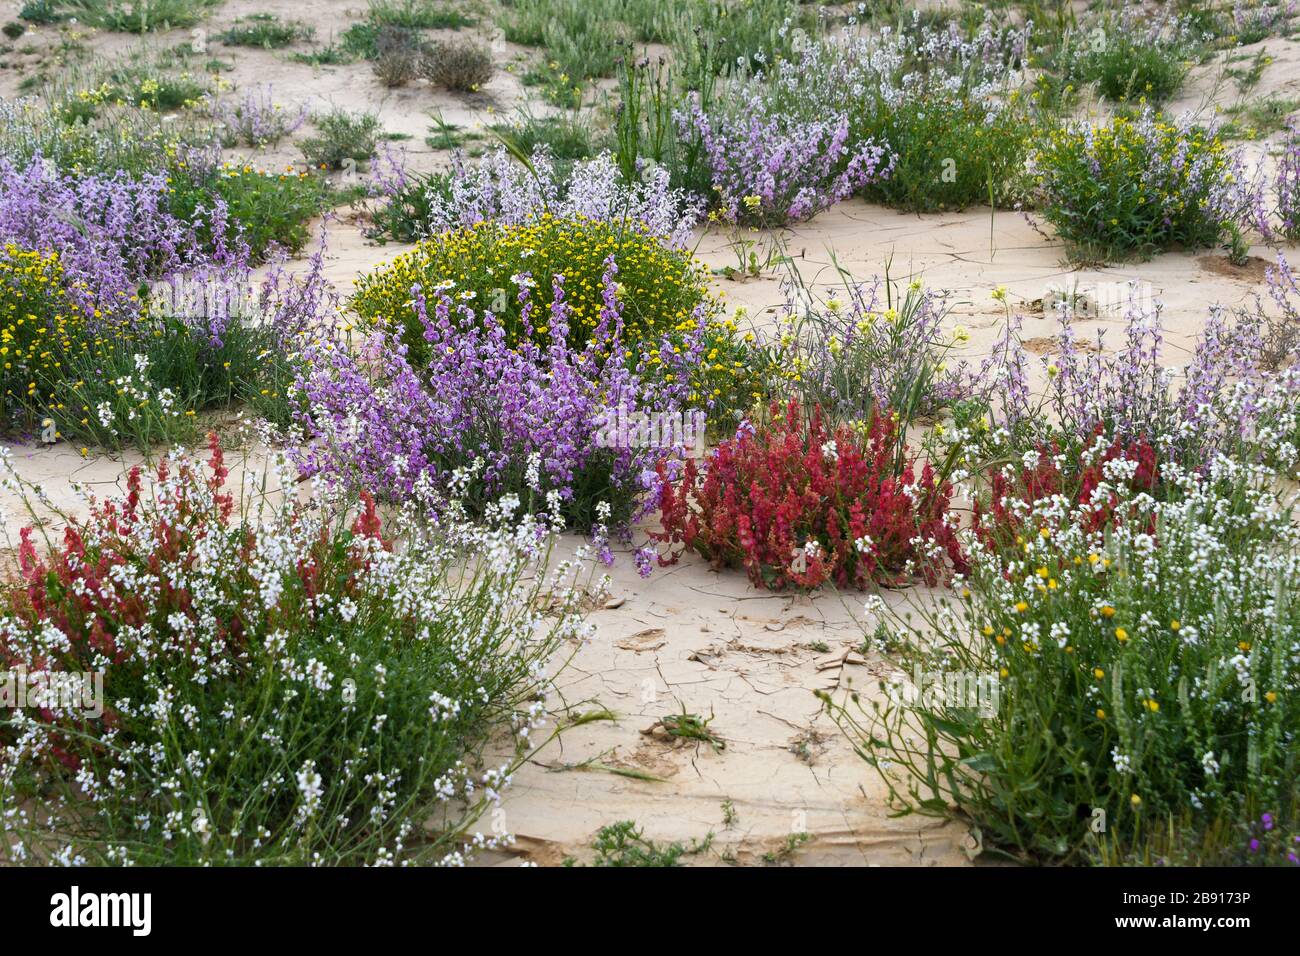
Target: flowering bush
x,y
111,232
919,117
1139,185
796,504
660,289
38,323
1286,185
1145,672
255,119
277,683
771,168
1132,58
510,193
1003,525
496,412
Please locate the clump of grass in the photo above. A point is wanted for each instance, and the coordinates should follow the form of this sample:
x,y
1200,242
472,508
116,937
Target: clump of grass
x,y
267,31
41,12
135,16
565,135
417,15
1257,118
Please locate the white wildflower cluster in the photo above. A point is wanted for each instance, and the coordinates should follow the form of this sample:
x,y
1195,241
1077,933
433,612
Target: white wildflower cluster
x,y
336,684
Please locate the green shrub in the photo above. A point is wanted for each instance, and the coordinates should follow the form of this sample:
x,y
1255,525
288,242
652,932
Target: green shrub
x,y
1132,68
341,136
953,151
1136,186
267,209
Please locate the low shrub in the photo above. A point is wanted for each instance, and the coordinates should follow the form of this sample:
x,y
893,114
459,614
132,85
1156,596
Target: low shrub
x,y
255,119
457,65
876,347
511,193
769,169
341,137
1138,185
1143,673
39,324
1130,60
264,211
267,31
501,409
953,149
397,56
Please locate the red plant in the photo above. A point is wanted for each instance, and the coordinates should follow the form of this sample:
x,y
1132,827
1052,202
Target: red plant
x,y
795,504
998,527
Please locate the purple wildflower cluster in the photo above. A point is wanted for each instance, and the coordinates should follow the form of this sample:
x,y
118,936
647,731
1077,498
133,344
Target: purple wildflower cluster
x,y
498,189
489,417
255,119
1255,21
769,167
1227,401
1269,843
1286,185
111,232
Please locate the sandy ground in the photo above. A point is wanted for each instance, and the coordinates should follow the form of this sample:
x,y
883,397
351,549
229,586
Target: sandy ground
x,y
689,638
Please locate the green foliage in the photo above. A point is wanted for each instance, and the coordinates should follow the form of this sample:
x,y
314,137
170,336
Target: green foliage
x,y
267,31
1095,689
341,136
625,844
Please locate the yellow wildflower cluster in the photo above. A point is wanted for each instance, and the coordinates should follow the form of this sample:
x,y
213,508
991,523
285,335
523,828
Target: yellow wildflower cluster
x,y
659,289
39,325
